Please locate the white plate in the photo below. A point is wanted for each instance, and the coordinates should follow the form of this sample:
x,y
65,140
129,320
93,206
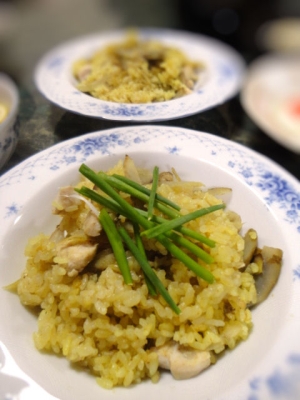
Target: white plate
x,y
266,366
222,78
271,85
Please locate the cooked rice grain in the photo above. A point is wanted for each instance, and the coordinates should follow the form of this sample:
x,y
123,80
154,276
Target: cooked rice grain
x,y
107,327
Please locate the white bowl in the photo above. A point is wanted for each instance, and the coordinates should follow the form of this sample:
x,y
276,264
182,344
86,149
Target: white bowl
x,y
9,96
265,366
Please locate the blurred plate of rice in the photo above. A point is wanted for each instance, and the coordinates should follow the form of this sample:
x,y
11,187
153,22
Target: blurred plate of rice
x,y
218,80
266,197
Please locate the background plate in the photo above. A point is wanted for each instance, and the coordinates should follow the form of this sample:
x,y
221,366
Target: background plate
x,y
222,78
271,97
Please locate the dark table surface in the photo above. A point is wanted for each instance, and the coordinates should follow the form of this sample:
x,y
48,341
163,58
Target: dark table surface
x,y
42,25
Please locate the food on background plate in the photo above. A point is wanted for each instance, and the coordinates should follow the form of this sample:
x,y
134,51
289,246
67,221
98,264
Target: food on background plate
x,y
144,272
3,112
137,71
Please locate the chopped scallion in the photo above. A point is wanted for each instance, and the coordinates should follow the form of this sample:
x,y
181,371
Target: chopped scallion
x,y
148,270
153,192
145,190
140,246
118,184
131,213
183,230
113,206
176,222
97,198
116,244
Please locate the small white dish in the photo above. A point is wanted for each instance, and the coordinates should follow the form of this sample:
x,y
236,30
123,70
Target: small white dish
x,y
9,99
223,77
271,97
264,367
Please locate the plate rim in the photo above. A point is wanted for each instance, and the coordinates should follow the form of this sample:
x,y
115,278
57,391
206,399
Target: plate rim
x,y
101,132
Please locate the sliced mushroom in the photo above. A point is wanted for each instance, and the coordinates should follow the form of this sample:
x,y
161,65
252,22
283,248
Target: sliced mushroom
x,y
145,175
130,169
57,235
222,193
265,282
75,253
175,175
165,177
250,245
235,219
259,261
183,363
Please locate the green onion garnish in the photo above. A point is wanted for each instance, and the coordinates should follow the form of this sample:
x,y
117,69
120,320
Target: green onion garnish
x,y
113,206
183,230
176,222
140,246
185,259
153,192
168,232
104,201
116,244
156,282
121,186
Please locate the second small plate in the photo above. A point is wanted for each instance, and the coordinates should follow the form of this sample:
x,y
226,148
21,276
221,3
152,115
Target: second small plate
x,y
271,97
223,77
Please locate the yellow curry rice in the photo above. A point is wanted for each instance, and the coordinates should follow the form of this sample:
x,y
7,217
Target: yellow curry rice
x,y
109,328
137,71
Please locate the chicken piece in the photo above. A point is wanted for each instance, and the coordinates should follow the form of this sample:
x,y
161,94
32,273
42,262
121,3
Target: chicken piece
x,y
91,225
64,200
183,363
74,254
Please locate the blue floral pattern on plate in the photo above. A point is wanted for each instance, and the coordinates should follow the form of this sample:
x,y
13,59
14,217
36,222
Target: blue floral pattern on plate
x,y
221,80
252,170
278,191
